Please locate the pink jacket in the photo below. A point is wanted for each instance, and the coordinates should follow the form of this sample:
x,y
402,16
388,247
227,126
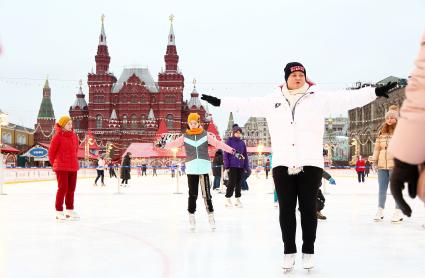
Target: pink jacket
x,y
408,141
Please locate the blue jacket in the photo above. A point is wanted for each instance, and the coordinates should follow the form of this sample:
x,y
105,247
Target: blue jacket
x,y
230,161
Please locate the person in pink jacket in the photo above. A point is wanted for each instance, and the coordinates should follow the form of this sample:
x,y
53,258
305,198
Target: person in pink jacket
x,y
408,142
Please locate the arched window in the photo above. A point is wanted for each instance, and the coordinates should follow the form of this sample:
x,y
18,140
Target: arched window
x,y
76,124
170,119
99,121
133,120
22,139
125,121
143,119
133,99
142,99
153,99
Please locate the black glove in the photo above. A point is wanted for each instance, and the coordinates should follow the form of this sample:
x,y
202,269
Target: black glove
x,y
383,90
404,173
211,100
239,156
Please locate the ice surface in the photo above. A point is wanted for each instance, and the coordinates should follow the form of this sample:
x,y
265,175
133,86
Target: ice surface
x,y
144,232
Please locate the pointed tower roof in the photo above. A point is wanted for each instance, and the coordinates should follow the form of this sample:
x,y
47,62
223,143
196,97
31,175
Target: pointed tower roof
x,y
80,101
46,84
231,122
46,107
113,115
213,129
151,115
194,98
162,129
102,36
171,37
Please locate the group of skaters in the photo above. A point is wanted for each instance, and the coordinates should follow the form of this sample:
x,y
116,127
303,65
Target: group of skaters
x,y
295,115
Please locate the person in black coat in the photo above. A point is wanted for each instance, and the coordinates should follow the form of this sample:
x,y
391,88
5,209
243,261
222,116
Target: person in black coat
x,y
125,169
217,166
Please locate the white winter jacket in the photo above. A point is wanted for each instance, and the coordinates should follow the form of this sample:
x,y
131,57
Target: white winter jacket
x,y
297,135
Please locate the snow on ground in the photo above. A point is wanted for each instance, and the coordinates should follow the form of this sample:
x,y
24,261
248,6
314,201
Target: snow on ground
x,y
144,232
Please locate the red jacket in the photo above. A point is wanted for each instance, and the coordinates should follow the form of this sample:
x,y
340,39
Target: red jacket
x,y
360,165
63,150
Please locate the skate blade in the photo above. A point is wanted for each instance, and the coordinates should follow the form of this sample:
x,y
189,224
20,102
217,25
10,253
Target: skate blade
x,y
287,270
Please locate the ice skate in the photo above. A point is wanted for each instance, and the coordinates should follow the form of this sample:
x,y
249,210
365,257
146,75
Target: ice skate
x,y
211,220
94,184
321,216
379,215
72,215
228,203
60,216
397,216
238,203
103,184
192,221
308,261
288,262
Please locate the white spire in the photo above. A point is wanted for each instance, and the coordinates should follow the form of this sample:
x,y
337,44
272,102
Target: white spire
x,y
114,115
102,37
171,37
151,116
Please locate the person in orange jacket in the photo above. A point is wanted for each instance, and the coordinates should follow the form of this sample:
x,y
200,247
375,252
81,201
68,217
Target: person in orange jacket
x,y
63,158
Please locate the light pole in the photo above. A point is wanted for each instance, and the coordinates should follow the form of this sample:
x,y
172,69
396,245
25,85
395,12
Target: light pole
x,y
3,121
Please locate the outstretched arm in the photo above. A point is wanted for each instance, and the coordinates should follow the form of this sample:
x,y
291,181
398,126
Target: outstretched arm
x,y
175,144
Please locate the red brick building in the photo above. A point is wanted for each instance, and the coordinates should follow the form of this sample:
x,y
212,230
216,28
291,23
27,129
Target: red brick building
x,y
130,108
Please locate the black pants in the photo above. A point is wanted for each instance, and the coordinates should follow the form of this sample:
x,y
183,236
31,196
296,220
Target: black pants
x,y
235,179
204,182
144,171
101,175
360,176
289,188
124,181
112,173
267,173
154,172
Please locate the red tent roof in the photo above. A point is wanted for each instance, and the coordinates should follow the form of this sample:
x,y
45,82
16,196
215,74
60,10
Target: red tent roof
x,y
161,129
213,129
9,149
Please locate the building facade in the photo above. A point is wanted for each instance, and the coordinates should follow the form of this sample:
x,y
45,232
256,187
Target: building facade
x,y
129,108
365,122
255,131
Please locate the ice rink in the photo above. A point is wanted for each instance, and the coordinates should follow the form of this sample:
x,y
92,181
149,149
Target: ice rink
x,y
144,232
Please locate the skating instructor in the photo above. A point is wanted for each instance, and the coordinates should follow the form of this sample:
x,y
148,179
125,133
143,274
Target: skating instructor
x,y
295,114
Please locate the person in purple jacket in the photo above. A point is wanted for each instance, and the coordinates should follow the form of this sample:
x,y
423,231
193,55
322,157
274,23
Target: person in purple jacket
x,y
235,167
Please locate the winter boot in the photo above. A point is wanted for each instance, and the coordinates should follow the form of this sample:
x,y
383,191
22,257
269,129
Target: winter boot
x,y
238,203
379,215
72,215
192,221
321,216
288,262
211,220
397,216
228,203
60,216
308,261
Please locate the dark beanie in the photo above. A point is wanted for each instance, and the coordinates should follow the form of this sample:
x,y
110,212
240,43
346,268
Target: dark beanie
x,y
293,66
236,128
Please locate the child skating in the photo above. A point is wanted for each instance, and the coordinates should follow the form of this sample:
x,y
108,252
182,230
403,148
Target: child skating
x,y
198,164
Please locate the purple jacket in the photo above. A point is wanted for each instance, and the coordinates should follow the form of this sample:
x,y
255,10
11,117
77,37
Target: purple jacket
x,y
230,160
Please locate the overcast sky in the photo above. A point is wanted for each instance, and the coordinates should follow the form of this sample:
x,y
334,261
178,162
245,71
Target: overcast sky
x,y
231,47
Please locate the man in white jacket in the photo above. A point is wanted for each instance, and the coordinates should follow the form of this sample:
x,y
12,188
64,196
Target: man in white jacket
x,y
295,115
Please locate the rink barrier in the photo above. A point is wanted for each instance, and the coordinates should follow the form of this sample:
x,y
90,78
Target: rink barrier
x,y
35,174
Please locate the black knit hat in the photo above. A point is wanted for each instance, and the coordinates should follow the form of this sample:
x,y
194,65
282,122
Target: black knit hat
x,y
293,66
